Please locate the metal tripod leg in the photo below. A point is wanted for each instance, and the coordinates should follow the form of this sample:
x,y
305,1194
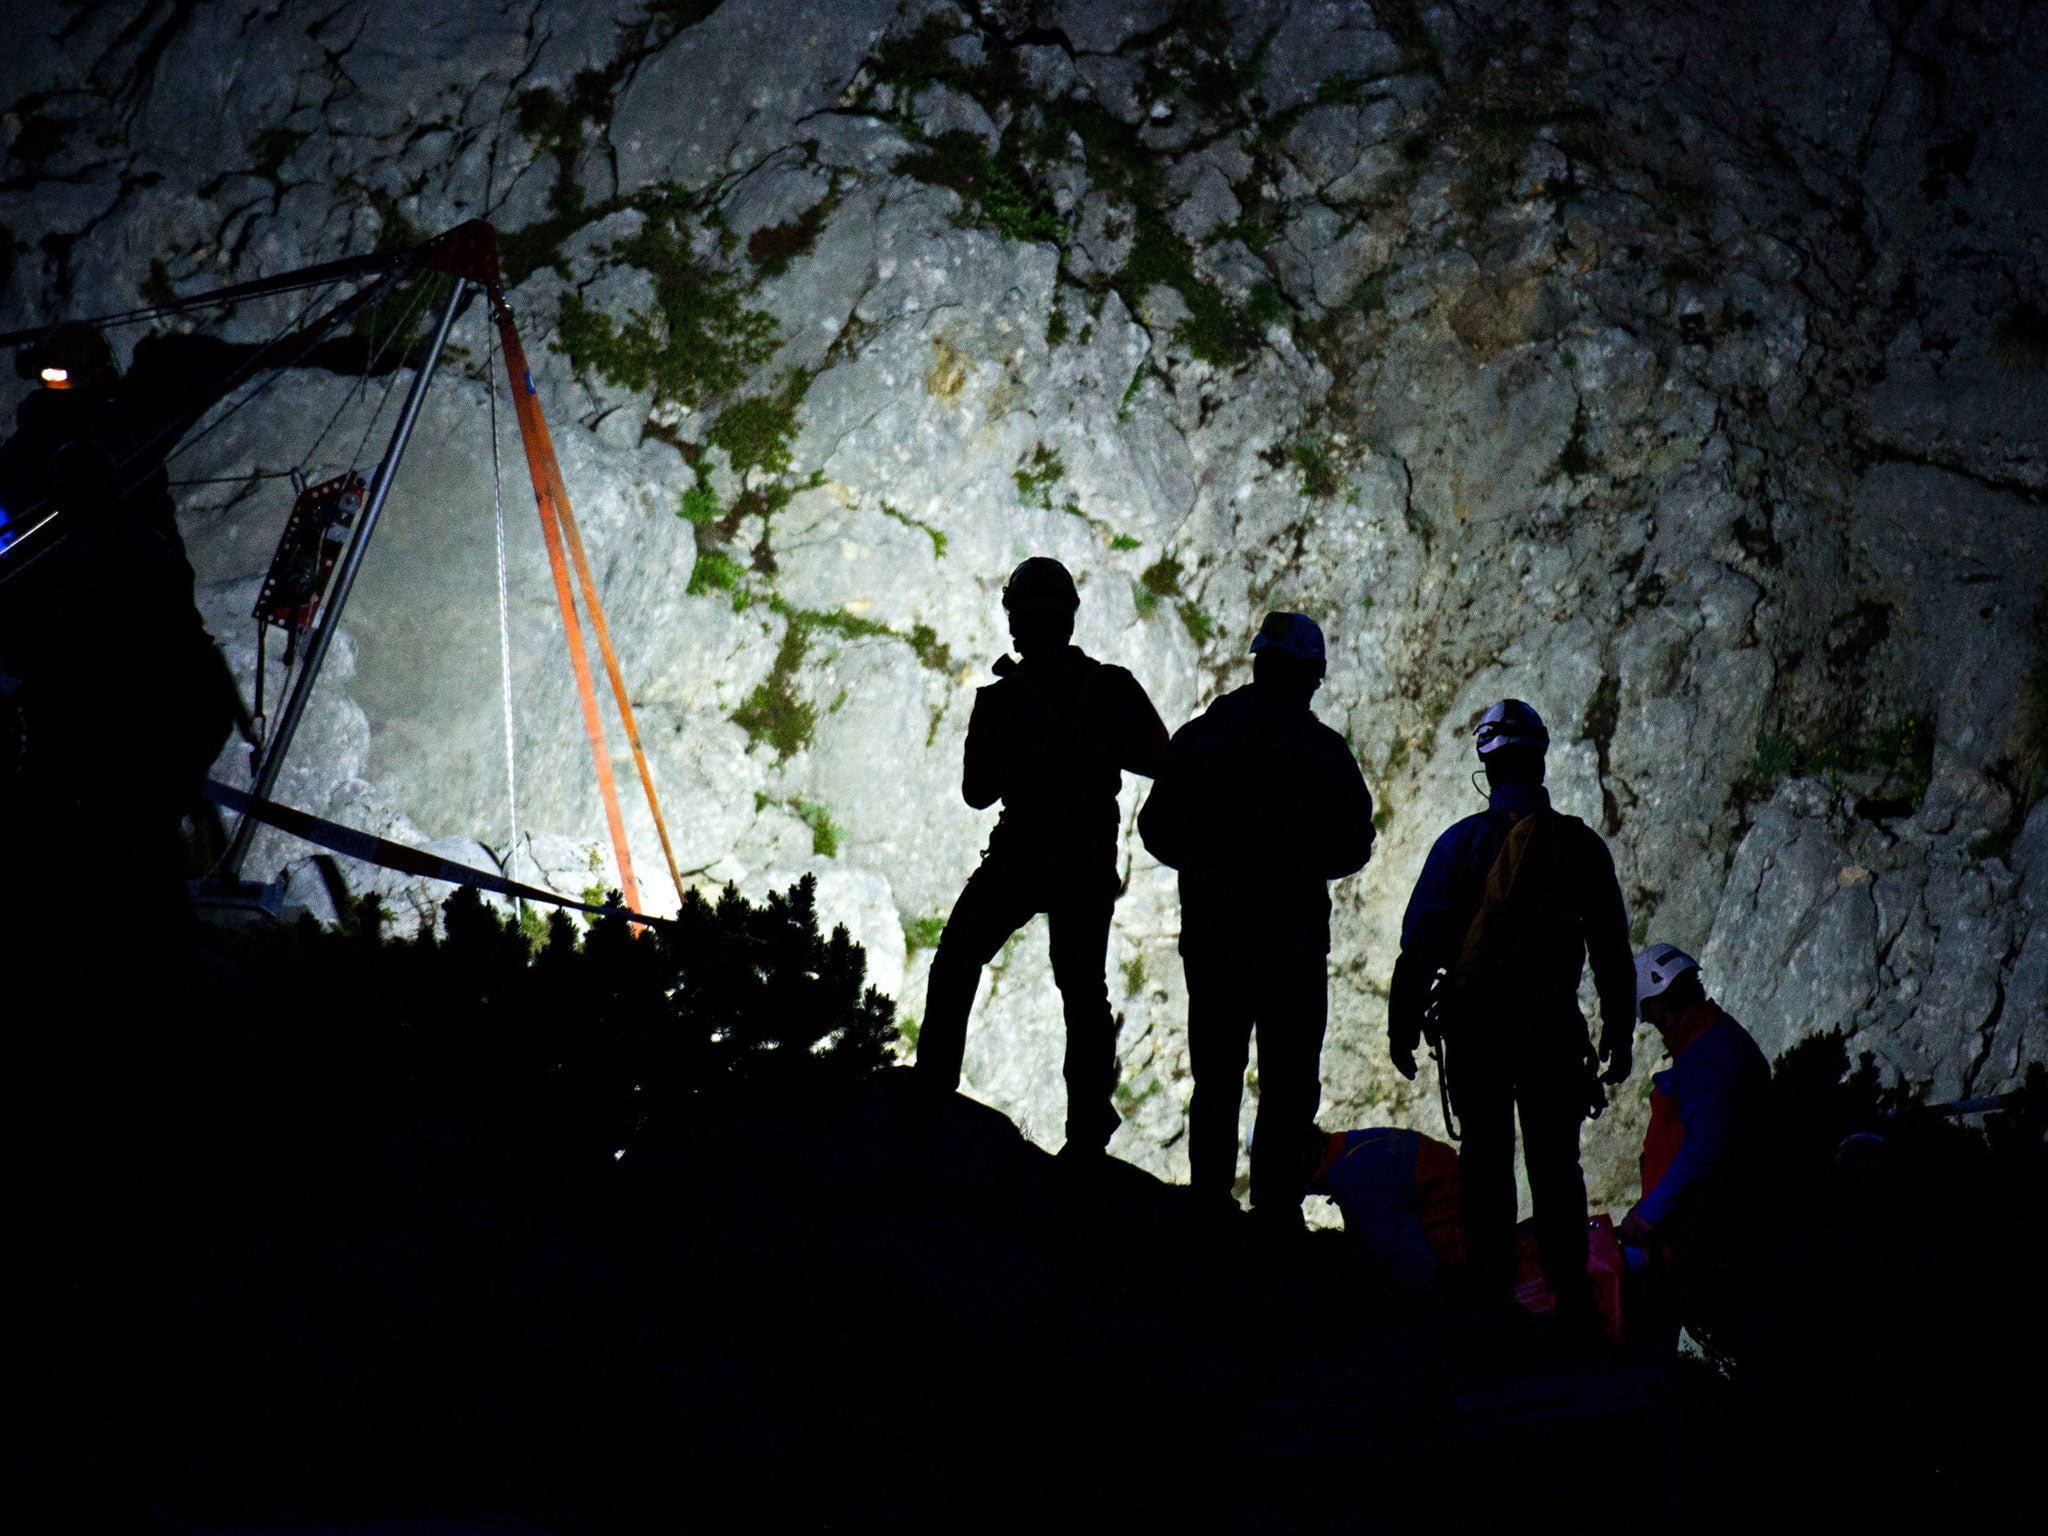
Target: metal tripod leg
x,y
344,580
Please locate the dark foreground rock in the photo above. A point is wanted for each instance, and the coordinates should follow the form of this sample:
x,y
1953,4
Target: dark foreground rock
x,y
857,1317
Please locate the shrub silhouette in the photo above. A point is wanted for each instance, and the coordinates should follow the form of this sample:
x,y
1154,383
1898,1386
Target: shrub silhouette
x,y
617,1035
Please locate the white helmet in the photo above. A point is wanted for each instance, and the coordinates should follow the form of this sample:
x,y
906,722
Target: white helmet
x,y
1657,967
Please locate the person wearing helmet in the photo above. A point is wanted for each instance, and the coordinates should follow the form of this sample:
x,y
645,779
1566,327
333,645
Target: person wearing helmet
x,y
120,700
1050,740
1702,1109
1510,906
1260,806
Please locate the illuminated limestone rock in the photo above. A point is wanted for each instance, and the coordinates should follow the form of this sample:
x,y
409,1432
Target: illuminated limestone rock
x,y
1680,375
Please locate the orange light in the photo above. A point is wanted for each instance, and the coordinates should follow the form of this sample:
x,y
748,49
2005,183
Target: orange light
x,y
57,378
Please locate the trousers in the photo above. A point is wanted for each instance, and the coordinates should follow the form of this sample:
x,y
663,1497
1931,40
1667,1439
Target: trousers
x,y
1550,1097
1000,897
1282,992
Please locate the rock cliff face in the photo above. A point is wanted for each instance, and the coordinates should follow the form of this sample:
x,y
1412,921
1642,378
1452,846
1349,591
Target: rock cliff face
x,y
1679,369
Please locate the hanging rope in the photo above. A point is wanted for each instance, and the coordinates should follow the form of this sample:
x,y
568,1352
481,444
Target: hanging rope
x,y
402,328
504,604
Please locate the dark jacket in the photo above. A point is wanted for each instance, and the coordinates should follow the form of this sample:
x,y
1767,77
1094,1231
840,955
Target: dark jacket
x,y
109,663
1259,805
1700,1106
1447,897
1399,1192
1051,739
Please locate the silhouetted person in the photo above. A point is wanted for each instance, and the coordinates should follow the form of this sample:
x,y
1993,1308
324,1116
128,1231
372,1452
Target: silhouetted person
x,y
1510,905
1050,739
120,701
1259,805
1681,1238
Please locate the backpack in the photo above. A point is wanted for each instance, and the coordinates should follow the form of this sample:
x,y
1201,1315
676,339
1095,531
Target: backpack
x,y
1526,931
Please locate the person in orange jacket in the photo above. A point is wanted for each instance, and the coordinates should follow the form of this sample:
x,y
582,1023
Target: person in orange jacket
x,y
1701,1108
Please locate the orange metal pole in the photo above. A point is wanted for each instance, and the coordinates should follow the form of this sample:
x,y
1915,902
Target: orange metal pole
x,y
540,453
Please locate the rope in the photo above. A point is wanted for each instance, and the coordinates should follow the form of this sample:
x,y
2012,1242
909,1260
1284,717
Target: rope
x,y
254,474
504,604
390,384
361,387
611,667
533,435
262,379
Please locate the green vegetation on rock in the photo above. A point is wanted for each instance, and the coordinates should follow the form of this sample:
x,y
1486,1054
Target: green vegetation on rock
x,y
699,343
993,193
824,835
774,246
714,570
700,505
1036,474
1215,330
1894,762
774,714
936,535
756,433
1162,577
1319,476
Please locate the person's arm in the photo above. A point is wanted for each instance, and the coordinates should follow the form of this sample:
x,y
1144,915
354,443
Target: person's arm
x,y
1347,833
1407,1007
1423,946
1143,734
983,763
1704,1108
1160,818
1612,960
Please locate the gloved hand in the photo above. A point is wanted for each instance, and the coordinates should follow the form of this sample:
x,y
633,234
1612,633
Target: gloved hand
x,y
1635,1231
1407,1010
1618,1050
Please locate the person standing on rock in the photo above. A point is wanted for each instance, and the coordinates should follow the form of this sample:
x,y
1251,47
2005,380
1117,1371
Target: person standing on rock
x,y
1050,739
1510,906
1260,806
